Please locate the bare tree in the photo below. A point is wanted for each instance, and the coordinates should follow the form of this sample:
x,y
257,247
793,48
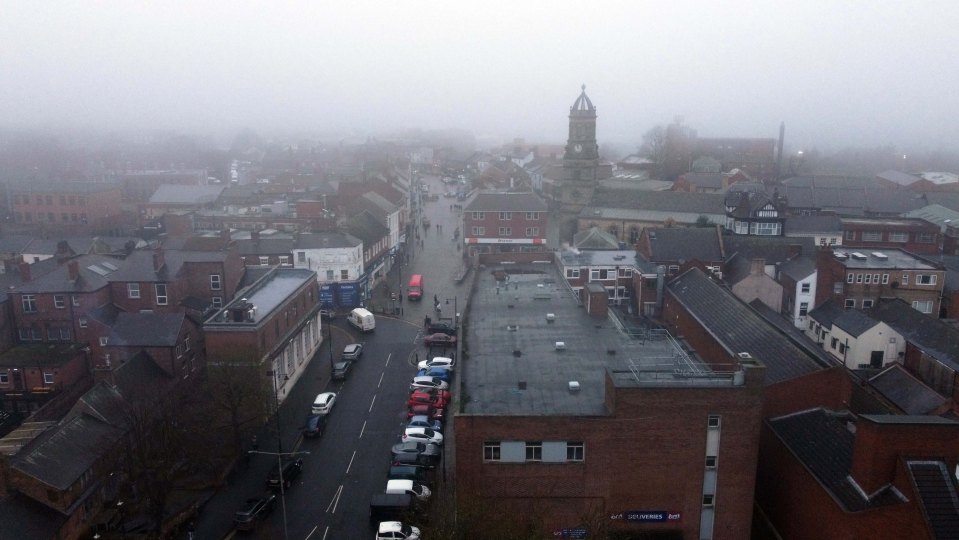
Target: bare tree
x,y
240,396
655,145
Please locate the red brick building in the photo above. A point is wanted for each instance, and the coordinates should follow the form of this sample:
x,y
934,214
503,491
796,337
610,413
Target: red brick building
x,y
504,222
908,234
77,207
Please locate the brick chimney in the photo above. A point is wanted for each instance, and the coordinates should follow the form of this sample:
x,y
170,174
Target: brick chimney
x,y
158,261
24,271
63,251
73,269
255,236
225,235
597,300
757,266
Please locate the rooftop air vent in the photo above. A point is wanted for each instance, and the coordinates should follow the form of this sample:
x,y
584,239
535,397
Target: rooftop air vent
x,y
619,257
574,386
880,256
858,256
550,317
841,255
745,356
521,385
512,327
517,353
560,345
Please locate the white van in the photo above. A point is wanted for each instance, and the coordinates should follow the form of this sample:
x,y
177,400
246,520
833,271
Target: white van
x,y
408,487
362,319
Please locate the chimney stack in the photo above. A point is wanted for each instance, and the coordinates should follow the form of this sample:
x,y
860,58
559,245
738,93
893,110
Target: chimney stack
x,y
73,268
158,261
758,266
63,251
24,271
255,236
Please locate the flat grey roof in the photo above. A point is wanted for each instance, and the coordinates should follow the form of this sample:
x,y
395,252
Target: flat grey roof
x,y
894,259
266,294
491,375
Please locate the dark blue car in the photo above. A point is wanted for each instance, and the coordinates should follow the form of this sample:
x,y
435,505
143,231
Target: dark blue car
x,y
438,372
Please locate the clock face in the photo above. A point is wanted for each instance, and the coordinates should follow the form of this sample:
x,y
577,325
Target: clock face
x,y
577,148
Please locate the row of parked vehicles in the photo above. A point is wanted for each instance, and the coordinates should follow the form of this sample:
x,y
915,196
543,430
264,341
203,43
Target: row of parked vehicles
x,y
419,451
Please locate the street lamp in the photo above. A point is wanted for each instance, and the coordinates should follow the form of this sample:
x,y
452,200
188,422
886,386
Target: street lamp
x,y
329,335
279,464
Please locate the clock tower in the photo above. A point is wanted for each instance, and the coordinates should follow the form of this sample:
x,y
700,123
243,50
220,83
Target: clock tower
x,y
581,159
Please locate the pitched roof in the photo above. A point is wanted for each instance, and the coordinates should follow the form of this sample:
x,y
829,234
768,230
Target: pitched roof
x,y
704,179
594,238
931,335
93,270
848,196
897,177
772,249
854,322
667,201
327,240
906,392
812,224
186,194
138,375
796,335
738,328
798,268
684,244
822,443
487,201
367,228
936,213
148,329
936,487
827,313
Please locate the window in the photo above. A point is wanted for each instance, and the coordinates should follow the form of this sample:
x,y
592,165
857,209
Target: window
x,y
534,451
75,300
161,294
711,462
264,261
850,277
859,278
850,303
66,334
875,278
104,341
59,301
850,235
924,306
216,282
532,231
491,451
898,236
804,287
905,279
4,377
47,378
505,231
868,279
29,303
673,269
532,216
885,279
505,216
925,279
803,309
842,348
329,275
133,290
217,302
765,229
572,273
479,231
866,304
925,238
575,451
707,499
871,236
344,275
832,241
478,215
301,256
83,323
713,421
285,260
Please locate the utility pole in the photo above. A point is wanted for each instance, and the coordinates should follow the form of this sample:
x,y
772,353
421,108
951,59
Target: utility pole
x,y
279,464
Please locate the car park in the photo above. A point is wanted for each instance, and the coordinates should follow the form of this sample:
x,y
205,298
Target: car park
x,y
437,361
439,339
422,434
340,369
440,328
323,403
353,351
429,383
314,425
408,487
421,396
440,373
254,510
425,421
291,470
424,410
396,530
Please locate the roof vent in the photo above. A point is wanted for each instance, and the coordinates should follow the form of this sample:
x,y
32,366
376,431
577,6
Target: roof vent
x,y
560,345
521,385
841,255
574,386
611,352
745,356
517,353
880,256
858,256
550,317
512,327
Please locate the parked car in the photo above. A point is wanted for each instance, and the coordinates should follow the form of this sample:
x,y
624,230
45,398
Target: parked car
x,y
439,339
445,395
291,470
422,434
254,510
327,315
396,530
353,351
323,403
425,410
408,487
399,472
314,425
422,397
429,382
340,369
437,361
390,507
413,460
438,372
425,421
440,328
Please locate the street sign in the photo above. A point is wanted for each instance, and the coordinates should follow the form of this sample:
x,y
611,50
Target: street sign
x,y
647,516
575,534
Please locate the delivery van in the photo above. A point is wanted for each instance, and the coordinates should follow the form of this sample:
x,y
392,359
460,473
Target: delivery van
x,y
362,319
415,288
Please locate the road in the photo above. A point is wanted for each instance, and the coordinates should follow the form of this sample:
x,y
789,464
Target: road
x,y
348,464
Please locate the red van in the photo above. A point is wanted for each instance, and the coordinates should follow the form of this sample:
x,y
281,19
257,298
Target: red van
x,y
415,288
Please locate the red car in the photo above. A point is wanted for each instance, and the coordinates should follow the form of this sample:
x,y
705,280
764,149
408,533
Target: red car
x,y
422,397
423,409
442,340
445,395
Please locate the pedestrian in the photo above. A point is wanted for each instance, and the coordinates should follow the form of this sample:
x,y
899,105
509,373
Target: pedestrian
x,y
436,300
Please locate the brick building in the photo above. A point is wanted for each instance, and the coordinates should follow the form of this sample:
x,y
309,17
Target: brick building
x,y
77,207
858,279
908,234
504,222
555,429
613,270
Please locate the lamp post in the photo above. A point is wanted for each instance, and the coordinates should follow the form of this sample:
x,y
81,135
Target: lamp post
x,y
329,336
279,465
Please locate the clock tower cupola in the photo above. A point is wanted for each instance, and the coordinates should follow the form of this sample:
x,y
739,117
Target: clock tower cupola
x,y
581,143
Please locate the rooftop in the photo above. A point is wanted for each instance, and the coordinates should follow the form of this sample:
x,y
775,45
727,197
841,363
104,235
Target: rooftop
x,y
856,258
265,295
612,258
516,368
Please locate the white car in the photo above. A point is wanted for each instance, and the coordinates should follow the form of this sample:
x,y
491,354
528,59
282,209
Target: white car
x,y
437,361
428,383
323,403
395,530
422,434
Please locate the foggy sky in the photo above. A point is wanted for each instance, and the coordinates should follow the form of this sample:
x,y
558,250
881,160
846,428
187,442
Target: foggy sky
x,y
838,73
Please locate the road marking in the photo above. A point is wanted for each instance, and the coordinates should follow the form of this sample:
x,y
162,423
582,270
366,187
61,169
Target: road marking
x,y
315,527
381,379
388,359
336,498
231,535
363,429
326,531
371,404
348,467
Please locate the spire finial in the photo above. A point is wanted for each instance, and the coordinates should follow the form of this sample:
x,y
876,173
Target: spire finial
x,y
583,87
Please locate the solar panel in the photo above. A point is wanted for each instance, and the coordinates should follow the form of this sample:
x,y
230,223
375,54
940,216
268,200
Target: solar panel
x,y
96,269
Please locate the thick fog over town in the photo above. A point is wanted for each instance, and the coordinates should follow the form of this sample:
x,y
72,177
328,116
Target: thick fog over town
x,y
852,74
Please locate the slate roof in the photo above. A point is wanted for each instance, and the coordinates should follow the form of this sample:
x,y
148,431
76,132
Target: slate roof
x,y
11,280
827,313
932,336
897,177
594,238
906,392
667,201
936,487
684,244
14,244
84,245
854,322
265,246
848,196
187,195
327,240
486,201
824,224
746,202
772,249
148,329
796,335
738,328
822,443
798,268
58,278
138,375
367,228
705,180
